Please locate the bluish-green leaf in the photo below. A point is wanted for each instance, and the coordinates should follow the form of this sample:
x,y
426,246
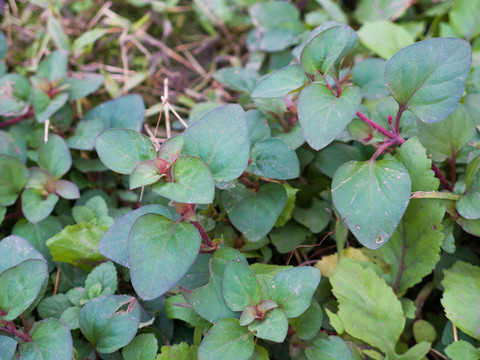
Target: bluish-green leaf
x,y
240,287
238,79
142,347
273,328
323,116
113,243
110,322
36,205
428,77
54,156
254,213
122,149
368,75
13,145
8,346
13,177
220,139
280,83
372,197
160,252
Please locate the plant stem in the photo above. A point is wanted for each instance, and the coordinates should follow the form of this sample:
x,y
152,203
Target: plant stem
x,y
11,329
440,177
397,120
434,195
377,127
206,239
17,119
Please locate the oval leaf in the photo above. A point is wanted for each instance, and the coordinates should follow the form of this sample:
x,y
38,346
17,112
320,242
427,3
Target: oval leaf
x,y
372,198
13,177
240,287
273,328
160,252
54,156
428,77
280,83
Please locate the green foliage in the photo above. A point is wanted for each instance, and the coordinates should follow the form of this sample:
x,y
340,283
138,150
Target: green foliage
x,y
129,233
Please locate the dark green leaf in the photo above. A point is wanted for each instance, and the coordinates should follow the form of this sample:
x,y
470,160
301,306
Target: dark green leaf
x,y
258,128
428,77
220,139
142,347
307,325
53,306
288,237
323,116
110,322
160,252
315,218
280,83
254,213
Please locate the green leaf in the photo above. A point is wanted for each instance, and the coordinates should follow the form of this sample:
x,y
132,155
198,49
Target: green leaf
x,y
273,328
258,128
327,49
66,189
125,112
240,287
77,245
424,331
286,213
461,298
3,46
220,139
160,252
14,95
307,325
70,317
445,138
238,79
371,197
113,243
87,39
20,286
368,75
462,350
418,351
36,206
208,300
315,218
13,178
227,340
171,148
181,351
7,346
82,84
254,213
288,237
146,173
292,289
464,18
16,249
468,205
123,149
322,116
280,83
428,77
54,156
50,340
274,159
44,106
104,274
142,347
333,348
110,322
370,10
368,308
54,67
176,307
332,157
13,145
192,182
384,38
53,306
55,30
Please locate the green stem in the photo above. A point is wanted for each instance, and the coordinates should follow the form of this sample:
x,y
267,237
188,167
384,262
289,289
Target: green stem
x,y
434,195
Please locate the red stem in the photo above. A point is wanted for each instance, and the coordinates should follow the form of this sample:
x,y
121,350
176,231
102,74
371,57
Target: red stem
x,y
11,329
373,124
17,119
203,233
442,179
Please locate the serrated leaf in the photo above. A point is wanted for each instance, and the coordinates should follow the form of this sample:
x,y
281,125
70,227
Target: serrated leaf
x,y
274,159
181,351
460,298
227,340
113,243
142,347
333,348
254,213
273,328
293,289
220,139
240,287
104,274
368,308
322,116
428,78
13,178
50,340
208,300
110,322
123,149
280,83
192,182
160,252
372,197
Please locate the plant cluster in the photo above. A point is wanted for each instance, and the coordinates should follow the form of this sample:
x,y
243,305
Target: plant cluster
x,y
331,210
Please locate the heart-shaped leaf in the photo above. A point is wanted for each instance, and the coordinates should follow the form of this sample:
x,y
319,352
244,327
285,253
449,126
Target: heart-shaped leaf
x,y
50,340
280,82
227,340
54,156
192,182
145,173
160,252
323,116
273,328
254,213
240,287
110,322
220,139
122,149
428,77
13,177
372,197
113,244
